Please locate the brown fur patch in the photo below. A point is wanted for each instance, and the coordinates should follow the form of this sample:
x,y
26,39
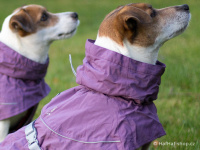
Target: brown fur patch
x,y
139,23
27,20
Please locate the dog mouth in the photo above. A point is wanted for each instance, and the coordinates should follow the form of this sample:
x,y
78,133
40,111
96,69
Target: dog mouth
x,y
66,34
178,32
181,30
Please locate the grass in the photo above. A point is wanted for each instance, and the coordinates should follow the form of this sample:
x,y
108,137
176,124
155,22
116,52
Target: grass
x,y
179,97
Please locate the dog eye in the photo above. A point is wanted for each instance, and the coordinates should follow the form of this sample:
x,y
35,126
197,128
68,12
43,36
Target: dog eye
x,y
44,17
153,14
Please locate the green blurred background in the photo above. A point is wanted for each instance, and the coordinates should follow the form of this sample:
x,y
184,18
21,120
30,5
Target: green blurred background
x,y
179,97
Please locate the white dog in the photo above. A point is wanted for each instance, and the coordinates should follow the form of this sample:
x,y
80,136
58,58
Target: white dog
x,y
28,33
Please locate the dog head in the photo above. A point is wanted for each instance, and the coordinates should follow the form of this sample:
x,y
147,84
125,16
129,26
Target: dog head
x,y
140,27
35,19
30,30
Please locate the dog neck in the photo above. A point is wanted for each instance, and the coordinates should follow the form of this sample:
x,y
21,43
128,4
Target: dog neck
x,y
143,54
26,46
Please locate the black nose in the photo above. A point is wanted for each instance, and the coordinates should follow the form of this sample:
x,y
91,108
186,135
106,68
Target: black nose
x,y
185,7
74,16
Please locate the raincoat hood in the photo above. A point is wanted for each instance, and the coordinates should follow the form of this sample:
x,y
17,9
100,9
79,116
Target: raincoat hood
x,y
116,75
22,82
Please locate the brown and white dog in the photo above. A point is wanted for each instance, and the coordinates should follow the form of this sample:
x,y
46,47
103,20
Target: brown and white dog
x,y
29,31
138,30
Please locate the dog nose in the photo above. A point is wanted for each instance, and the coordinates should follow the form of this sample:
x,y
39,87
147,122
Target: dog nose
x,y
185,7
74,16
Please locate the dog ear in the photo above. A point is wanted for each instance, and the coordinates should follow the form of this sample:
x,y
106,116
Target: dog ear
x,y
137,16
21,24
131,23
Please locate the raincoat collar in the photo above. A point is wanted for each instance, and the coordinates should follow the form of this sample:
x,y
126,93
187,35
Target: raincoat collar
x,y
114,74
17,66
22,83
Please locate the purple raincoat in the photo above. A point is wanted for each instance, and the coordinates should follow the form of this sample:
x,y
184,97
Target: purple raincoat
x,y
111,109
22,84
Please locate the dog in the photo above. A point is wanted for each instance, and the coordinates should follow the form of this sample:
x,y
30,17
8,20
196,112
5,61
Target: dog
x,y
112,108
143,31
27,34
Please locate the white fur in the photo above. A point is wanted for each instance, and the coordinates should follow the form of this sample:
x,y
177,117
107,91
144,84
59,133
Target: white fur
x,y
4,129
7,123
143,54
174,25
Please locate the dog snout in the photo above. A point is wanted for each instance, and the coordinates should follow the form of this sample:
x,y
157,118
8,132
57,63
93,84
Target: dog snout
x,y
184,7
74,16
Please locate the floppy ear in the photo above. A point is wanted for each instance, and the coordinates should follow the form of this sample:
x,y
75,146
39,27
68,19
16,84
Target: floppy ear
x,y
131,23
136,16
22,24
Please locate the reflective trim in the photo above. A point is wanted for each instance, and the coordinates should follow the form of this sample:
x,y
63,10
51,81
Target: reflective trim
x,y
31,136
74,139
8,103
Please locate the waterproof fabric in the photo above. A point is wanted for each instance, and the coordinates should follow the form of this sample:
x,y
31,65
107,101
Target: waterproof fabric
x,y
22,82
111,109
